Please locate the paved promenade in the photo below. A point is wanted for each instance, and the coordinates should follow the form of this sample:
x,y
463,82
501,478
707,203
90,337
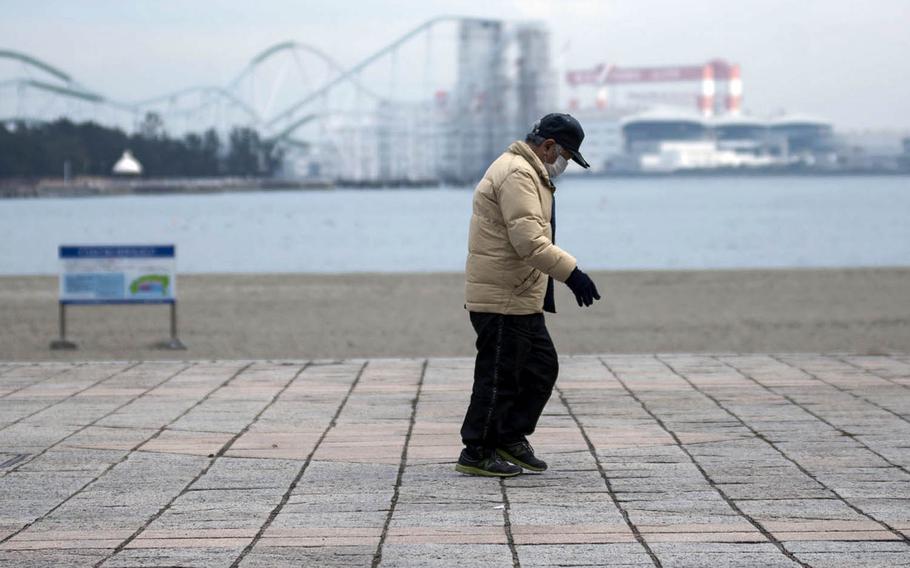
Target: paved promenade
x,y
676,460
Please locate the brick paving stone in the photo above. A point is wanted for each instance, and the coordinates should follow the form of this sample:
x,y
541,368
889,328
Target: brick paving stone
x,y
702,555
175,555
446,555
670,460
81,557
839,554
578,555
327,556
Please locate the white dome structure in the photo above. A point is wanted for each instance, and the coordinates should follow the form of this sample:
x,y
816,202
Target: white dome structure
x,y
127,165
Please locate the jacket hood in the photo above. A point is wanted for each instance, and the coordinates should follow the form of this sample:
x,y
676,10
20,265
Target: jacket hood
x,y
522,149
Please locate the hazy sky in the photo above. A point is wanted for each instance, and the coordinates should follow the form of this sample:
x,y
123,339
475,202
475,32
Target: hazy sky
x,y
845,60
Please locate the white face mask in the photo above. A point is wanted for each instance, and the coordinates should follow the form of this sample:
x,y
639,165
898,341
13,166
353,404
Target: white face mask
x,y
559,165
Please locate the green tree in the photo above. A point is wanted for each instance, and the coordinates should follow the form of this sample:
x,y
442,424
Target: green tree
x,y
249,155
34,150
152,126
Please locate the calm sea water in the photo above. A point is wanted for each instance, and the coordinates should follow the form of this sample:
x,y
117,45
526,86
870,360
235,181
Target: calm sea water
x,y
607,223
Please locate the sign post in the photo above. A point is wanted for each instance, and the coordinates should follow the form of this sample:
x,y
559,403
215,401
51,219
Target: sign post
x,y
128,274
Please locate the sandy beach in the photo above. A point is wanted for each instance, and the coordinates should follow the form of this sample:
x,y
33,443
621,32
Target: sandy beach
x,y
296,316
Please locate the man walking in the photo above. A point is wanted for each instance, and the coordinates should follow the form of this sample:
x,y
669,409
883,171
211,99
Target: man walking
x,y
511,264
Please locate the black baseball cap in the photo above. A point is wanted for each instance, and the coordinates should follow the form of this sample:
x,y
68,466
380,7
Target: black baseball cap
x,y
566,131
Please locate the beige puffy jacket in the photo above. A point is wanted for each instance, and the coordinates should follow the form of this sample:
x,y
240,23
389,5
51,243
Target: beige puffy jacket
x,y
510,249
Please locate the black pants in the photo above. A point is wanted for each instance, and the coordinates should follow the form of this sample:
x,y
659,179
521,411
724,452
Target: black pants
x,y
514,375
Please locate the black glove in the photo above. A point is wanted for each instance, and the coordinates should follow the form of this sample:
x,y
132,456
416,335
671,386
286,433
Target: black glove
x,y
583,287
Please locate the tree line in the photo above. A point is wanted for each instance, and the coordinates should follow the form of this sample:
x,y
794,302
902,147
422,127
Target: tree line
x,y
41,150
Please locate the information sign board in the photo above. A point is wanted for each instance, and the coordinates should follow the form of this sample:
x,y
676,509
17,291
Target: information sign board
x,y
126,274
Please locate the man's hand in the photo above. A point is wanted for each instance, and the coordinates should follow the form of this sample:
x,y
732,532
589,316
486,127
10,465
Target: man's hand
x,y
583,287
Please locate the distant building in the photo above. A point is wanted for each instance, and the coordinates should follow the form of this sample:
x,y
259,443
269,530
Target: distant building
x,y
505,82
477,128
645,132
749,135
127,165
603,138
535,84
667,141
873,150
809,141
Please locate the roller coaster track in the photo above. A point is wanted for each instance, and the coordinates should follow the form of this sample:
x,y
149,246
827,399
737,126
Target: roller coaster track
x,y
36,63
69,88
363,64
292,46
202,89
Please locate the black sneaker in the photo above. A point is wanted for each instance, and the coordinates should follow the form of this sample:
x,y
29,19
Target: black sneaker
x,y
486,463
522,454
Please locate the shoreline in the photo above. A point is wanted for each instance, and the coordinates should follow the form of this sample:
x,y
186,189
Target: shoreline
x,y
330,316
449,273
55,188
